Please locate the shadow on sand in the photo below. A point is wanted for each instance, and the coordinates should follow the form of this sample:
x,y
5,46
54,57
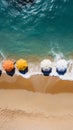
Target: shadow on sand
x,y
11,73
24,71
0,72
46,72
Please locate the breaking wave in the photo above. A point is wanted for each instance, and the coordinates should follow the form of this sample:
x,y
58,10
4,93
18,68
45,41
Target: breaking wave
x,y
43,29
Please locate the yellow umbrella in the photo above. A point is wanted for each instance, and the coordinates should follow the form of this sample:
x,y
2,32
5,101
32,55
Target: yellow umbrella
x,y
21,64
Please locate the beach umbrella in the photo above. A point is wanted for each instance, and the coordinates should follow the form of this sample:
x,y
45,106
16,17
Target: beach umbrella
x,y
21,65
8,65
46,67
61,67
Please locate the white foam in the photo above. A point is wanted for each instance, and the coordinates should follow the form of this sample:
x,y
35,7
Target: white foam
x,y
57,56
35,69
2,55
68,75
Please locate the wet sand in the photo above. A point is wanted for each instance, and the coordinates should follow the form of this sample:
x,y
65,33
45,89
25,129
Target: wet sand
x,y
47,105
37,83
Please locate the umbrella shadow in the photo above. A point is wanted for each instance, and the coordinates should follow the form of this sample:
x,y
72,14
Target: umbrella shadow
x,y
46,72
11,73
61,72
24,71
0,72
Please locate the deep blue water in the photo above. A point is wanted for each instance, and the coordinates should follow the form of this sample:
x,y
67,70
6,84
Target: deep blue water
x,y
37,29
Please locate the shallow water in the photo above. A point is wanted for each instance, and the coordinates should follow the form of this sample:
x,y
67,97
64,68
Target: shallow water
x,y
42,29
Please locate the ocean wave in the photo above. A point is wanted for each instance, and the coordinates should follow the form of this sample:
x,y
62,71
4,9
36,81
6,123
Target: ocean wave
x,y
32,12
41,29
2,56
36,27
36,70
34,67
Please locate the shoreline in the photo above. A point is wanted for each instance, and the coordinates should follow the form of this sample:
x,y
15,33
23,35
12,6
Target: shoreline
x,y
37,83
34,69
38,102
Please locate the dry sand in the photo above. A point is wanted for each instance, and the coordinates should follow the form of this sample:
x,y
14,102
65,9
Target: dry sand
x,y
48,105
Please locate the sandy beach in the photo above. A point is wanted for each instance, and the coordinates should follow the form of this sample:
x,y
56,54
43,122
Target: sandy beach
x,y
20,109
36,64
43,103
37,83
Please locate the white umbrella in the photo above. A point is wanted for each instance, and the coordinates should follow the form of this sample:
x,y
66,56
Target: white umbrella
x,y
46,66
61,66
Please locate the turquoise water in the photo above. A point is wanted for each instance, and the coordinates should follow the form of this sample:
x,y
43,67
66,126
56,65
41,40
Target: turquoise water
x,y
39,29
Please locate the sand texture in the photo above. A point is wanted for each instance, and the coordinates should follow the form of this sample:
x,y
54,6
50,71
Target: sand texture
x,y
37,103
23,110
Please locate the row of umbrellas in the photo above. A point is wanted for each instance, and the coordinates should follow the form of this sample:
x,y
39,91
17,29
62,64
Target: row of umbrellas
x,y
61,67
9,66
22,66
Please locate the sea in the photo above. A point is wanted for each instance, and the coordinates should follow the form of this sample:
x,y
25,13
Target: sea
x,y
38,30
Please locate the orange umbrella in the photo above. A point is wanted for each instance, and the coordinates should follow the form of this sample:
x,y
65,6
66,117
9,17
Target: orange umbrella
x,y
21,64
8,65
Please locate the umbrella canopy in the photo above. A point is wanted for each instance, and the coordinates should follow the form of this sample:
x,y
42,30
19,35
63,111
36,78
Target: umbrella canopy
x,y
61,66
21,64
8,65
46,67
45,64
